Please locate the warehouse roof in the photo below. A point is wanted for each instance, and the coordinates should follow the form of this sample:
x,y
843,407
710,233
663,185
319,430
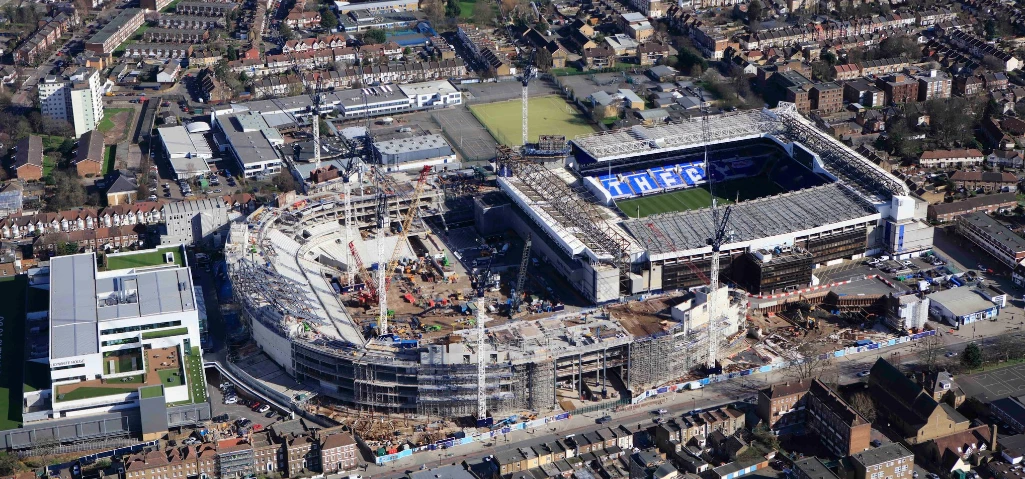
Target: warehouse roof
x,y
409,145
961,301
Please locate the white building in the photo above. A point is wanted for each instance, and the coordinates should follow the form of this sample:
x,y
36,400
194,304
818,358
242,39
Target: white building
x,y
907,312
187,152
439,93
77,99
193,222
415,152
106,327
960,306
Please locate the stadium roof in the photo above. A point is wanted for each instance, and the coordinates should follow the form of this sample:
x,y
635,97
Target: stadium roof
x,y
752,220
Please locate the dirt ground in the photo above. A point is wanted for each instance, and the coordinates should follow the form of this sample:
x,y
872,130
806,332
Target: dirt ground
x,y
123,125
644,318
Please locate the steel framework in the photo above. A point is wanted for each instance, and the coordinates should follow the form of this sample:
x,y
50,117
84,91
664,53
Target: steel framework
x,y
407,222
581,213
521,279
283,293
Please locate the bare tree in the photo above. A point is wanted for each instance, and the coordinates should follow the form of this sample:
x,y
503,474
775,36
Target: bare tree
x,y
862,402
930,351
809,364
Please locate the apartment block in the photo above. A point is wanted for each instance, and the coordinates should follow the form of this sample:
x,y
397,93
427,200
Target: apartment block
x,y
834,422
889,461
76,99
114,33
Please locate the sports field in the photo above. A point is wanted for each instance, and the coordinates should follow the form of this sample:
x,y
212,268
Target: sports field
x,y
547,115
697,198
12,354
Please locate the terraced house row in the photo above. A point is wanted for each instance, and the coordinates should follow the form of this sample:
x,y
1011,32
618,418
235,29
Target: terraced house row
x,y
47,35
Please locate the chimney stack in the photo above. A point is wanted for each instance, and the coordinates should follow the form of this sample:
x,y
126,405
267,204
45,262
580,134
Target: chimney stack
x,y
993,437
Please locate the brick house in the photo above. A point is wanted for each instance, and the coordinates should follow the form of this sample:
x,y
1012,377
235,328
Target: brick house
x,y
89,159
28,161
989,181
950,158
989,204
782,404
338,453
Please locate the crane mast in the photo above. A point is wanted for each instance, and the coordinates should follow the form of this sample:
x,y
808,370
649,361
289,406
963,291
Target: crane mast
x,y
720,220
528,73
481,278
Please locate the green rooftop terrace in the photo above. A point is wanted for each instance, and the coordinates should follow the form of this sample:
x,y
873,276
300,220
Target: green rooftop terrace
x,y
144,259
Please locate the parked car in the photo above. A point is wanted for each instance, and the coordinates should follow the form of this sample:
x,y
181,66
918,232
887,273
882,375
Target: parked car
x,y
604,419
231,400
255,406
263,408
864,373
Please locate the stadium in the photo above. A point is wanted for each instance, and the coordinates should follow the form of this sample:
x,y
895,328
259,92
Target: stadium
x,y
800,199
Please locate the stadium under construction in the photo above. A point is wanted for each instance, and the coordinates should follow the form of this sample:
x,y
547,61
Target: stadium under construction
x,y
285,265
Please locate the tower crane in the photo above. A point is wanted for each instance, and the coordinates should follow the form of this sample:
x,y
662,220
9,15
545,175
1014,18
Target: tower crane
x,y
720,234
521,278
529,72
481,278
407,221
347,170
316,96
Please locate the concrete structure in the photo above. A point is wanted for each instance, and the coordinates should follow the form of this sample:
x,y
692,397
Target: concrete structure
x,y
993,237
195,222
907,313
813,468
76,99
961,306
251,142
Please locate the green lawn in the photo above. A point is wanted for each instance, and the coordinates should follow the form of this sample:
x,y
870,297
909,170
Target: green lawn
x,y
165,333
149,258
106,123
150,392
546,115
696,198
92,392
109,153
48,165
194,371
12,356
123,363
170,377
466,9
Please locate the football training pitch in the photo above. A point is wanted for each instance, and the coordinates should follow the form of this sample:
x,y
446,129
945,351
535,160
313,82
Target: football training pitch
x,y
697,198
548,115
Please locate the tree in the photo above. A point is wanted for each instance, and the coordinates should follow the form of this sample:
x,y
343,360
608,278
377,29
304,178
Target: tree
x,y
810,364
930,350
484,13
284,181
971,358
764,435
9,464
862,402
328,19
754,11
286,31
232,53
453,9
993,63
435,12
68,192
374,36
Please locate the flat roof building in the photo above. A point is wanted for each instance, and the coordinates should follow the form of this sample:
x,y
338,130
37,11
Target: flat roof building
x,y
415,152
959,306
993,237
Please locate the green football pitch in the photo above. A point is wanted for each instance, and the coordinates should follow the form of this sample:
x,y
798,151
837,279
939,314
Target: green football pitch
x,y
697,198
547,115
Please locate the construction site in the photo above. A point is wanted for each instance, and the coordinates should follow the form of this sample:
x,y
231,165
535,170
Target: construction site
x,y
430,301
